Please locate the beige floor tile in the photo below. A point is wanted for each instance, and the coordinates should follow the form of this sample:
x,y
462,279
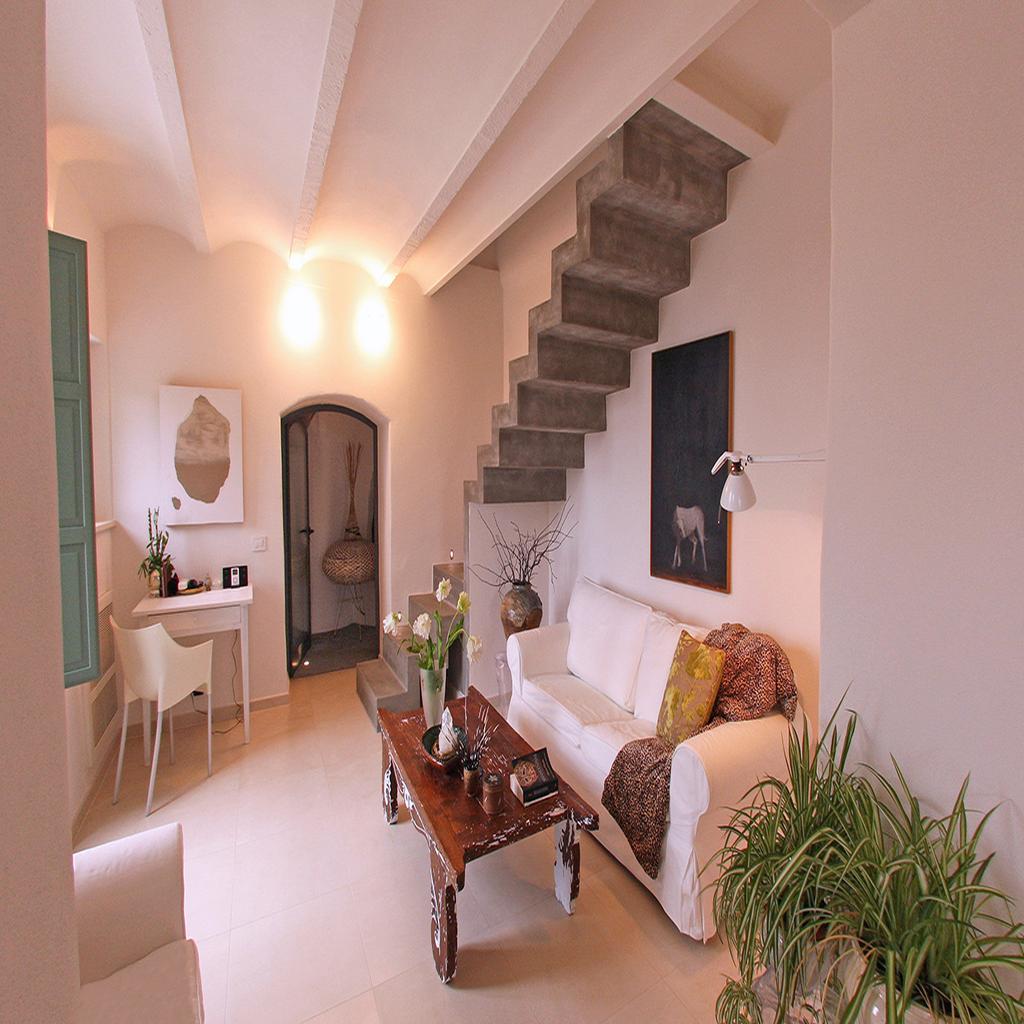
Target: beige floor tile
x,y
296,963
361,1010
484,989
575,968
209,881
658,1005
278,871
394,919
281,803
699,978
213,970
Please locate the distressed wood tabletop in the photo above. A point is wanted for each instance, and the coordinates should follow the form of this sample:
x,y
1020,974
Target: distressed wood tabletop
x,y
455,825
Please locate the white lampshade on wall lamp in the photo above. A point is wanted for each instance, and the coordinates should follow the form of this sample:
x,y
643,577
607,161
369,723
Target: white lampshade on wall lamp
x,y
738,493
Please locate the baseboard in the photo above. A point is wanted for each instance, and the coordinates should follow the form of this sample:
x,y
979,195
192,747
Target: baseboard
x,y
90,797
227,713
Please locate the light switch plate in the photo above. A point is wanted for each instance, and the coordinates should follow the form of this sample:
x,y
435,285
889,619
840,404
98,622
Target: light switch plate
x,y
259,543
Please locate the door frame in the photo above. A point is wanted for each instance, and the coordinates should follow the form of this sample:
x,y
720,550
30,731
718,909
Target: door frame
x,y
307,412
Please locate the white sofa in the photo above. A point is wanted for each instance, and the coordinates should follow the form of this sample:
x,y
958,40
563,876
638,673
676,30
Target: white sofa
x,y
134,961
585,687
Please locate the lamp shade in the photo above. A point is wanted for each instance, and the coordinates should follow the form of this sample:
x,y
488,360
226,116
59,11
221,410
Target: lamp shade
x,y
738,493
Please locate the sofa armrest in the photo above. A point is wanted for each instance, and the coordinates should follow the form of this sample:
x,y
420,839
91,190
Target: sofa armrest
x,y
129,900
714,770
536,652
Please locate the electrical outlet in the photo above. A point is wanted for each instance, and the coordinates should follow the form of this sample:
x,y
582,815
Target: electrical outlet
x,y
259,543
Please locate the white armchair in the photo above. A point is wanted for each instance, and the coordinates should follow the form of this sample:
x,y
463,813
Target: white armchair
x,y
134,960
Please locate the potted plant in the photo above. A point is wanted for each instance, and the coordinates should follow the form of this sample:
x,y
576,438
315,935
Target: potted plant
x,y
519,558
427,639
841,900
151,568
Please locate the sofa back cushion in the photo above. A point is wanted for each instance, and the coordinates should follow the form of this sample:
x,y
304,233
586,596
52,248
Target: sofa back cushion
x,y
606,638
660,640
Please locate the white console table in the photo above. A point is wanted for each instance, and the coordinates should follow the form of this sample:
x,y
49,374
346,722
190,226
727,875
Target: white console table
x,y
213,611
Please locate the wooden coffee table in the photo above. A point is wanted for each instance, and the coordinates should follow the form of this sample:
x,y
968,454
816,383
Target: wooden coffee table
x,y
457,828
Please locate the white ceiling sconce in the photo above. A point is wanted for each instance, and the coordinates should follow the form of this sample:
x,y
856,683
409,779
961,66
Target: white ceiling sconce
x,y
738,493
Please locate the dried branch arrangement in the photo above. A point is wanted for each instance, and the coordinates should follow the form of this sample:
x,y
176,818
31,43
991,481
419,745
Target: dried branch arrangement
x,y
522,553
478,739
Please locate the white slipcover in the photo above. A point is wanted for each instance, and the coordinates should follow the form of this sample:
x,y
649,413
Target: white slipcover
x,y
711,772
606,640
135,963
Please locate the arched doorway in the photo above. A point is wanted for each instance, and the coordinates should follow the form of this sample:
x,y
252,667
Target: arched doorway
x,y
329,458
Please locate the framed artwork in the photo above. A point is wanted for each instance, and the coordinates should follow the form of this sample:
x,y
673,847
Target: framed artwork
x,y
691,425
200,455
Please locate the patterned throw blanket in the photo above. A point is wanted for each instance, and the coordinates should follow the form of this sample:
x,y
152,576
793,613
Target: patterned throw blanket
x,y
756,678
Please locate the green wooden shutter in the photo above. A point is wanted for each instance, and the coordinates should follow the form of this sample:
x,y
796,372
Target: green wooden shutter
x,y
69,327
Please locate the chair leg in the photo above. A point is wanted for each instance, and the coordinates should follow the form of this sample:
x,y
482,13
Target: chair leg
x,y
209,732
156,761
120,756
170,730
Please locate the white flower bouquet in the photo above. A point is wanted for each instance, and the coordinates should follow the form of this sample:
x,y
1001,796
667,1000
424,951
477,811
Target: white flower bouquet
x,y
427,638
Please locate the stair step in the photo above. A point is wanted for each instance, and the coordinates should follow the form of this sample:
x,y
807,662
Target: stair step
x,y
633,252
420,603
655,119
601,367
510,484
524,447
614,311
455,571
379,688
552,406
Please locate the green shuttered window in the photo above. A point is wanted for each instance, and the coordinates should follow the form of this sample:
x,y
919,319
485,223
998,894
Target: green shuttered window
x,y
69,326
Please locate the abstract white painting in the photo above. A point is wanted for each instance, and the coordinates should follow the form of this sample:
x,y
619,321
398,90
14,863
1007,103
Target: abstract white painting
x,y
200,455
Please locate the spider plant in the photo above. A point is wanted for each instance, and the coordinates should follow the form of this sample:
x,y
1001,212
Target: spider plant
x,y
841,886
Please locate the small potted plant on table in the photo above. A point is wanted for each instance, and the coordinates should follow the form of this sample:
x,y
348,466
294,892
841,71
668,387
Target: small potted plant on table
x,y
152,567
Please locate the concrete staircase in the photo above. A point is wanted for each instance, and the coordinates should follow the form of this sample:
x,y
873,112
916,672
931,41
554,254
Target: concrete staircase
x,y
662,183
392,681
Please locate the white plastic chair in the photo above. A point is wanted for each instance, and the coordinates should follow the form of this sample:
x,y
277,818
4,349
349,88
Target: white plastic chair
x,y
154,667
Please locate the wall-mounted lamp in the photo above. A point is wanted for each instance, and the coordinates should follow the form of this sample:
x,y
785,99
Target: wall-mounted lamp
x,y
738,493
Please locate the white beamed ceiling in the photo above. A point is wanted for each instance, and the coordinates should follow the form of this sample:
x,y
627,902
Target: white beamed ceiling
x,y
381,132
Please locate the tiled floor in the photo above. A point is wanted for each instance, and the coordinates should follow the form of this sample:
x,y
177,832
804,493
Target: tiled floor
x,y
307,907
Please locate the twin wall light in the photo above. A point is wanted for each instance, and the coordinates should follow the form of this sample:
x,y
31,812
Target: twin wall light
x,y
301,320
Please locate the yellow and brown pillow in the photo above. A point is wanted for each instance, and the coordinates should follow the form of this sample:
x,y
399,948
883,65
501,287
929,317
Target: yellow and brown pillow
x,y
692,687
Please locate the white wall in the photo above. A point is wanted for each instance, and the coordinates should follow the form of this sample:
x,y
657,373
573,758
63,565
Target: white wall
x,y
923,556
330,433
37,938
764,275
177,317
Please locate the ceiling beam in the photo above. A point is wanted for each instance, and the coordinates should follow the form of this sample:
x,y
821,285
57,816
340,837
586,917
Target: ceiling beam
x,y
557,31
727,119
621,55
340,41
157,40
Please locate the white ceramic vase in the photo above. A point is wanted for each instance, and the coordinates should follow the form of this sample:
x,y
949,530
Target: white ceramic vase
x,y
432,686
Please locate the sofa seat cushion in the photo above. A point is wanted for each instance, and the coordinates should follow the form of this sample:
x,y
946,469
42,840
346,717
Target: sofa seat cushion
x,y
606,638
568,704
162,988
600,743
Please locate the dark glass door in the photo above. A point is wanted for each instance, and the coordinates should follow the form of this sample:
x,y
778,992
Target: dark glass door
x,y
295,456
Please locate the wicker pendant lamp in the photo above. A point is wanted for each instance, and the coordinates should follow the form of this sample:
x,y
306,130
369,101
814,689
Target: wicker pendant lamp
x,y
352,559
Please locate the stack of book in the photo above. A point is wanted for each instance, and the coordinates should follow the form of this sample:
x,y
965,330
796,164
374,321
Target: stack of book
x,y
533,778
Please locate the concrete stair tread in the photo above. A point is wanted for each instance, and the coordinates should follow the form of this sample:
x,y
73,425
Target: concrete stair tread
x,y
380,677
419,603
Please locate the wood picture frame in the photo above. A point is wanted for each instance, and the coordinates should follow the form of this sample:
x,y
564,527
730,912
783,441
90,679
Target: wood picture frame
x,y
691,425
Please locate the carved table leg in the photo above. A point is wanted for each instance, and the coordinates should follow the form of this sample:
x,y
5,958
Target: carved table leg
x,y
389,787
567,863
444,926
